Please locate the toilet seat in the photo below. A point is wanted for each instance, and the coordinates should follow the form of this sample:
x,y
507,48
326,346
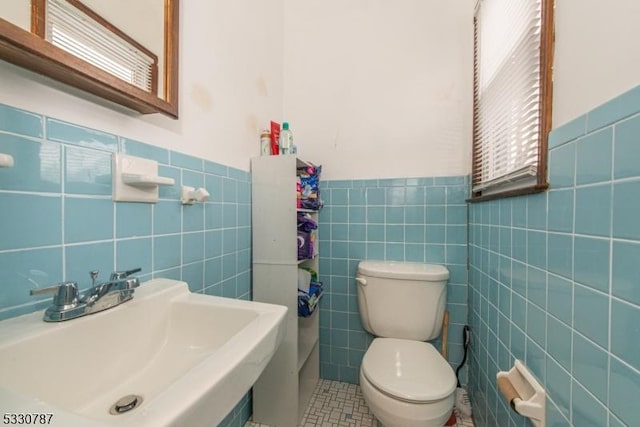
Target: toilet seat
x,y
412,371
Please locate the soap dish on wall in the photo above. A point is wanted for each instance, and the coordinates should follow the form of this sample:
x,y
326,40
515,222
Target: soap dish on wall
x,y
136,179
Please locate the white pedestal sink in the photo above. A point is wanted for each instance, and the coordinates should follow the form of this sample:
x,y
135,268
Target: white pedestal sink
x,y
190,357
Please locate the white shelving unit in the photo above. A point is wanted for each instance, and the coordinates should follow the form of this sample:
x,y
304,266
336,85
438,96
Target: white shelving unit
x,y
281,394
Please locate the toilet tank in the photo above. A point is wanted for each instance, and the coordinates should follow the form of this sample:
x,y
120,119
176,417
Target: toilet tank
x,y
402,299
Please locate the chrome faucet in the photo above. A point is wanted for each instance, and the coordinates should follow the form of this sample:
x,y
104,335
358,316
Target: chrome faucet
x,y
68,303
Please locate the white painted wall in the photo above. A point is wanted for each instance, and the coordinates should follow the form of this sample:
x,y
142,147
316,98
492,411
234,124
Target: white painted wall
x,y
18,12
377,88
230,85
372,88
597,54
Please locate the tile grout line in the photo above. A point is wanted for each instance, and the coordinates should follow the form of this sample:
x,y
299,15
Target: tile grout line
x,y
63,198
610,277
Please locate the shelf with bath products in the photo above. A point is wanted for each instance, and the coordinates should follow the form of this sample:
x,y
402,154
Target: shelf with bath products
x,y
280,265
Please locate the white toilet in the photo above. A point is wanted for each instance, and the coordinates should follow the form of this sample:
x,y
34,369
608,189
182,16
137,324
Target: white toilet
x,y
404,380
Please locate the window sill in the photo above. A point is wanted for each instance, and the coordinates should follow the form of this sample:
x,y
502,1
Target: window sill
x,y
509,193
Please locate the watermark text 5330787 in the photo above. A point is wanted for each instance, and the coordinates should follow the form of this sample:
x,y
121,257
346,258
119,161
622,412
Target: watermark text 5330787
x,y
32,418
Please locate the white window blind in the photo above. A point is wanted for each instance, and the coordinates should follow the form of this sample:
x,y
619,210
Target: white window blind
x,y
507,86
72,30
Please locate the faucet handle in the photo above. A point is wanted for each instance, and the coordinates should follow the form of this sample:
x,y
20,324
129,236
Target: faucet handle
x,y
119,275
94,276
66,293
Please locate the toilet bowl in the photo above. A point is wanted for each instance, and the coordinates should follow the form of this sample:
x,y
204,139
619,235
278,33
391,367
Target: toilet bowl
x,y
407,383
404,380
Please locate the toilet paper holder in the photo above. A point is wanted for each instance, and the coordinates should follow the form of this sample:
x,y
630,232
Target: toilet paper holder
x,y
523,392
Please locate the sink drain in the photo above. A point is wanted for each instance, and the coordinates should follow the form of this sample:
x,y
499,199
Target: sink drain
x,y
125,404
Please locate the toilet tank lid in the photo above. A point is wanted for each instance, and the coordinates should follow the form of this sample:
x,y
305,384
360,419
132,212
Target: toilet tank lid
x,y
403,270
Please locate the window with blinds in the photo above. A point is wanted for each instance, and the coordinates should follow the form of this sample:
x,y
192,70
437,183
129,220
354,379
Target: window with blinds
x,y
512,96
75,28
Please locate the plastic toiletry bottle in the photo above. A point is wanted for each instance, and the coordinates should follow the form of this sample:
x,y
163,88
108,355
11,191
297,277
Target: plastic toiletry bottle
x,y
286,139
265,143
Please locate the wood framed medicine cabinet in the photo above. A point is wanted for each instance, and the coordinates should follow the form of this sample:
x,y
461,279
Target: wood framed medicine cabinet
x,y
31,51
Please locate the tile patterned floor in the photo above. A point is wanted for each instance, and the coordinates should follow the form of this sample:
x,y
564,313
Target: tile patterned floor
x,y
337,404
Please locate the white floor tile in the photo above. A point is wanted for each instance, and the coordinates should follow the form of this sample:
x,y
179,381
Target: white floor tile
x,y
337,404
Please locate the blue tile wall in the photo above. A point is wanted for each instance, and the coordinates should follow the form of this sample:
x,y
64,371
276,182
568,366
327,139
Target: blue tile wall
x,y
413,219
239,415
566,289
59,222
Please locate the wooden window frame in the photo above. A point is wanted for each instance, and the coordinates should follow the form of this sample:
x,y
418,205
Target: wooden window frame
x,y
545,110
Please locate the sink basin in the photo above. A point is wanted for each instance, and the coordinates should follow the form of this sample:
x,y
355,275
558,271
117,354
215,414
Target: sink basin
x,y
189,357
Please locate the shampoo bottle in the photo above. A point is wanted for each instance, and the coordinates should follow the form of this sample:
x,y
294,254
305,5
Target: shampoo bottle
x,y
286,139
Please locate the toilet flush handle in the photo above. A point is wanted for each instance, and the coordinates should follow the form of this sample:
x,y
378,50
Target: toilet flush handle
x,y
361,281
